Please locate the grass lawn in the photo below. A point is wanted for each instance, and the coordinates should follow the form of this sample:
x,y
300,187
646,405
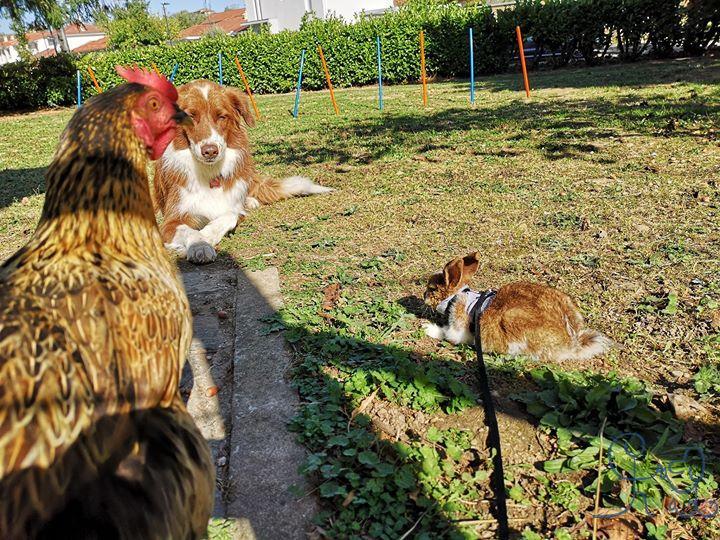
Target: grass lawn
x,y
604,184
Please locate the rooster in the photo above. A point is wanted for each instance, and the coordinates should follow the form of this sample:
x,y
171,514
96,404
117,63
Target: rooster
x,y
95,440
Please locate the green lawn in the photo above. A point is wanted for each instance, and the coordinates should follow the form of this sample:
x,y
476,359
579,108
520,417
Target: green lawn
x,y
604,184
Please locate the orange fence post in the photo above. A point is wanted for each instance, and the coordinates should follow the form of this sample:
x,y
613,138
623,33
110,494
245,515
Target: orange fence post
x,y
423,75
247,88
94,80
329,82
522,60
154,66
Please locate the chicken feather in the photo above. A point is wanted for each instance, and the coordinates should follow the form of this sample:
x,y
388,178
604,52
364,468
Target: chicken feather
x,y
95,441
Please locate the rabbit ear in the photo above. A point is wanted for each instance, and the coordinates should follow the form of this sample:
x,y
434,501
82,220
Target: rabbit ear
x,y
453,272
471,262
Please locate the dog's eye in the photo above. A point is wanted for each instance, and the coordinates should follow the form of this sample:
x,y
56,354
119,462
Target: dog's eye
x,y
222,118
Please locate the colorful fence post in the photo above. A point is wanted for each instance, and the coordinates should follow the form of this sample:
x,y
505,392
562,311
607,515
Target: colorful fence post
x,y
472,68
174,72
94,80
220,78
79,89
521,48
299,84
247,88
423,75
380,88
327,78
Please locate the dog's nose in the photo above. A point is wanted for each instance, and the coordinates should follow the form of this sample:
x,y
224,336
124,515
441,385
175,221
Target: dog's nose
x,y
209,151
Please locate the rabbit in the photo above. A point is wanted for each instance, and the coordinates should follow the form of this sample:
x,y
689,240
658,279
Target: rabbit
x,y
519,318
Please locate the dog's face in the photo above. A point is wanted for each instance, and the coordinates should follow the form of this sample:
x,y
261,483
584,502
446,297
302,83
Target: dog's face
x,y
454,276
218,113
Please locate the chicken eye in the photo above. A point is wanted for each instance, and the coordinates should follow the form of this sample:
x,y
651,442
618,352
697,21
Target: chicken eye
x,y
154,104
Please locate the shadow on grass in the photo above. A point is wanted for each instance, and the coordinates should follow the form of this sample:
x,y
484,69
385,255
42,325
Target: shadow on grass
x,y
380,478
18,183
640,74
558,129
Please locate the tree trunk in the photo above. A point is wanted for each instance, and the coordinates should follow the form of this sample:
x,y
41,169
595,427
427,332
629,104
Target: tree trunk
x,y
63,40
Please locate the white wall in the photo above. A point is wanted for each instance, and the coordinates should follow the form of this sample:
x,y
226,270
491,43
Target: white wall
x,y
76,40
8,54
348,9
289,13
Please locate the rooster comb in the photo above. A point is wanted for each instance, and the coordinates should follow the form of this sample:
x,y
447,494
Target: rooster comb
x,y
149,79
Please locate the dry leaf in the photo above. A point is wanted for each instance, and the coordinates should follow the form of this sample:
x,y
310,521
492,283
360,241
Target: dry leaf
x,y
623,527
332,296
685,407
363,405
348,499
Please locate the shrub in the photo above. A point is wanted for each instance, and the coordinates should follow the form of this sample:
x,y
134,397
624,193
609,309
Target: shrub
x,y
640,24
702,25
271,61
47,82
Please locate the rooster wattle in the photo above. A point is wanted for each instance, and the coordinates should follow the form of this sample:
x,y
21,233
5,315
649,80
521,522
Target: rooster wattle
x,y
95,440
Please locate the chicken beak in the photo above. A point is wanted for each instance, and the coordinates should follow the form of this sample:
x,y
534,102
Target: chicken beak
x,y
182,118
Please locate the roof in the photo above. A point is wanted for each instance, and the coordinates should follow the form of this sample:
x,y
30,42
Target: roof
x,y
229,22
45,53
97,45
70,30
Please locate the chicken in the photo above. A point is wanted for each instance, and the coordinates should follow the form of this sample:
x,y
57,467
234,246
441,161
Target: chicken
x,y
95,440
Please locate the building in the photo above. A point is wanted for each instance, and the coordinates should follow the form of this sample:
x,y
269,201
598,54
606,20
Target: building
x,y
92,46
230,22
287,14
48,43
8,49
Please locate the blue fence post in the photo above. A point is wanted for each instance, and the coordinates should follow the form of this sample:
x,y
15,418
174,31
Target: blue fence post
x,y
174,72
380,88
299,84
79,89
472,69
220,68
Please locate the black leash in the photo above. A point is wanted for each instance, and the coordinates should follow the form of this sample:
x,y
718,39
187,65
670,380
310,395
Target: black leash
x,y
493,434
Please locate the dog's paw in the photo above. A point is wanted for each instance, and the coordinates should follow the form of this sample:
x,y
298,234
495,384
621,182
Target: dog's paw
x,y
251,203
201,253
317,189
178,249
434,331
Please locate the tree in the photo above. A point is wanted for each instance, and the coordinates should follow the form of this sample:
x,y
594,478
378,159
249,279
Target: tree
x,y
48,14
186,19
132,25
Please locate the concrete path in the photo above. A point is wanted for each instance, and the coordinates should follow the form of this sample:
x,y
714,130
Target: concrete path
x,y
237,389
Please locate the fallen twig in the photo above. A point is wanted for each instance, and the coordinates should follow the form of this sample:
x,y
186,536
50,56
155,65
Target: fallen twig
x,y
411,529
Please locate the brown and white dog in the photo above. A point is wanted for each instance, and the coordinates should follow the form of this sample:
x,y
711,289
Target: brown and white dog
x,y
206,180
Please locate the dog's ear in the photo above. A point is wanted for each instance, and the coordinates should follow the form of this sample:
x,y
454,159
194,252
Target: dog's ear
x,y
471,262
453,272
241,104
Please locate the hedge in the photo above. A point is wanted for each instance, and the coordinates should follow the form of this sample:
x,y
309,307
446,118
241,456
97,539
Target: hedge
x,y
572,29
271,61
47,82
